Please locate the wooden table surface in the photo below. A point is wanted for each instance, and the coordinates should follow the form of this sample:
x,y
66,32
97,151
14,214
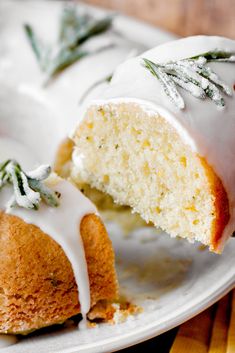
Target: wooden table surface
x,y
184,17
213,331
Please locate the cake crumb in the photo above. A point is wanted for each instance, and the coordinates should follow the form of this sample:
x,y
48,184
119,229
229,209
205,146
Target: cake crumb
x,y
125,311
202,247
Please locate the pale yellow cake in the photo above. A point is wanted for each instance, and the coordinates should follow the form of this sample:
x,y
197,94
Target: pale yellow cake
x,y
142,162
170,159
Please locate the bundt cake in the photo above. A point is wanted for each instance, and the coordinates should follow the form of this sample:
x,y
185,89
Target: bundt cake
x,y
161,138
56,262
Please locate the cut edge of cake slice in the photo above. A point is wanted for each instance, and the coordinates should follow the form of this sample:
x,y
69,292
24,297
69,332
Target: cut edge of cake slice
x,y
141,161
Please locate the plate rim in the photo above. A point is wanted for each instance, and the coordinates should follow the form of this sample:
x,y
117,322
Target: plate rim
x,y
203,301
136,337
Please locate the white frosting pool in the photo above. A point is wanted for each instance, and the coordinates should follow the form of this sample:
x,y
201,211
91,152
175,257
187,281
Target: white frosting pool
x,y
61,223
208,130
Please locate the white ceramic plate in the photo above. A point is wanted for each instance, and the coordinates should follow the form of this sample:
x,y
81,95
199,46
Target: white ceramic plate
x,y
171,279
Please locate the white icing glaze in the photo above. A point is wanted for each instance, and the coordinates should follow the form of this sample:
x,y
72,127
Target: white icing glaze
x,y
61,223
11,149
209,131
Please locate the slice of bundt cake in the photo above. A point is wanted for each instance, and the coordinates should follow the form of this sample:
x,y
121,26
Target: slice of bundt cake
x,y
56,257
37,283
161,139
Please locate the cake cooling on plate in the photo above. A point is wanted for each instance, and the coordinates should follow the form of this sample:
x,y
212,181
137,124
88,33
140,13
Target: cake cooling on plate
x,y
161,138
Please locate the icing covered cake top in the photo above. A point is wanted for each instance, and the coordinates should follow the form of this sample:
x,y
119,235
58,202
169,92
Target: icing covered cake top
x,y
208,129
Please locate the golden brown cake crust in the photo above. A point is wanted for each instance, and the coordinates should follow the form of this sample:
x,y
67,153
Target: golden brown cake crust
x,y
37,285
221,205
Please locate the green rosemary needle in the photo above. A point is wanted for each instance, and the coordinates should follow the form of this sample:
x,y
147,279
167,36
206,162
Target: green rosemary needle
x,y
75,29
166,81
29,189
194,76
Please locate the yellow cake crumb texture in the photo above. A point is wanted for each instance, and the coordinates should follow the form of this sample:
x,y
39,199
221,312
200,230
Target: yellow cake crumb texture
x,y
141,161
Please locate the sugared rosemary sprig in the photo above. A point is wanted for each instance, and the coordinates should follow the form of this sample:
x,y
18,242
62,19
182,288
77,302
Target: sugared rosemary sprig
x,y
193,75
29,189
217,55
74,30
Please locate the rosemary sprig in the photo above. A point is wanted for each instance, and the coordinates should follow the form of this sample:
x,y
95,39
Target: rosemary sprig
x,y
28,188
168,84
74,30
194,76
217,55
